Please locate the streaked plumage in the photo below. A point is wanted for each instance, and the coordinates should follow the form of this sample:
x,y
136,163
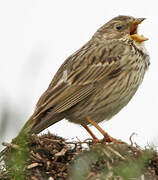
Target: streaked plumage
x,y
98,80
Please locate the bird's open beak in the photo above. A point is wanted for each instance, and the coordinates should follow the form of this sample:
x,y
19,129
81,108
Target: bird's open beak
x,y
134,28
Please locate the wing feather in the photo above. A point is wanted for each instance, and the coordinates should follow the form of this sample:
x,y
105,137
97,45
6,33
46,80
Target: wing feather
x,y
82,73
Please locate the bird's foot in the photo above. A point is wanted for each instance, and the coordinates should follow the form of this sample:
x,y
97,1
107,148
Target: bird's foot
x,y
106,139
98,141
110,139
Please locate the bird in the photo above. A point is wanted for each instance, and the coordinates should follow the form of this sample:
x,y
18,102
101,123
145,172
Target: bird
x,y
97,81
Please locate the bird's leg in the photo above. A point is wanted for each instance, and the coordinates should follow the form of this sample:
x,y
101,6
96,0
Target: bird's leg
x,y
90,132
107,138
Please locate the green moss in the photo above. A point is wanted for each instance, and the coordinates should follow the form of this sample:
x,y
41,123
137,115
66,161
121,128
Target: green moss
x,y
133,168
16,159
110,162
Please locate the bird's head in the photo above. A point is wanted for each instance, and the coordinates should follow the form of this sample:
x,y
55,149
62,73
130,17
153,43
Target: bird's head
x,y
120,27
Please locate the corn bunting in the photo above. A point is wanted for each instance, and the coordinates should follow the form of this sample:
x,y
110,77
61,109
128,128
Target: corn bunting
x,y
97,81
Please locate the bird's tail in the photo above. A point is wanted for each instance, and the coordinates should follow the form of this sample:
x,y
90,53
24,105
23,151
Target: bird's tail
x,y
35,125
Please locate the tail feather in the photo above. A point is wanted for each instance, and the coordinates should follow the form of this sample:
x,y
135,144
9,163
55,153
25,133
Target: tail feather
x,y
45,122
36,125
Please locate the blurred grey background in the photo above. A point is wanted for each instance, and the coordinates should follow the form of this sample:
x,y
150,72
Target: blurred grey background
x,y
36,36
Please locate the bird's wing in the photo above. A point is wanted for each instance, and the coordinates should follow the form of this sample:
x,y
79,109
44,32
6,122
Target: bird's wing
x,y
77,78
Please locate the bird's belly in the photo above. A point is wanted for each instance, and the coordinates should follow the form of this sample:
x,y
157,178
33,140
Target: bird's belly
x,y
112,106
104,110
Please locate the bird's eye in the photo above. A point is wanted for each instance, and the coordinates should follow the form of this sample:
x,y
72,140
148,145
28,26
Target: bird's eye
x,y
119,27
